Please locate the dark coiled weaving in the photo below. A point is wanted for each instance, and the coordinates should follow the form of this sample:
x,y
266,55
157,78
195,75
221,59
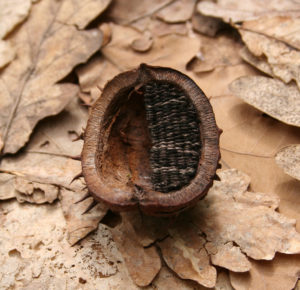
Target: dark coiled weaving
x,y
174,128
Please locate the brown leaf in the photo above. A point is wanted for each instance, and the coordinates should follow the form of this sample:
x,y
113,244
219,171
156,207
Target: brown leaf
x,y
35,252
249,142
47,156
230,213
212,233
7,186
167,279
142,44
223,281
81,13
236,11
128,12
79,225
7,53
259,63
284,62
160,28
34,192
44,56
185,254
143,264
95,74
215,52
281,273
205,24
178,11
271,96
283,28
170,50
288,158
11,14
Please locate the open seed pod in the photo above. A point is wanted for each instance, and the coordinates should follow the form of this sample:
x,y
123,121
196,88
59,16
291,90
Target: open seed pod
x,y
151,142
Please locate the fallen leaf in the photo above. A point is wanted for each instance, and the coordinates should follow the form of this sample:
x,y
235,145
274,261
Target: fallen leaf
x,y
128,12
7,186
167,279
160,28
56,49
233,11
211,233
47,156
259,231
35,252
7,53
281,273
34,192
143,264
284,61
259,63
223,281
288,158
271,96
118,56
79,224
215,52
142,44
205,24
185,254
177,11
81,13
230,257
106,32
11,14
283,28
169,50
95,74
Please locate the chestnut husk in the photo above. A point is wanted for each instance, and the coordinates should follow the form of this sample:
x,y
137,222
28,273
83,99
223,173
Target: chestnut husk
x,y
117,142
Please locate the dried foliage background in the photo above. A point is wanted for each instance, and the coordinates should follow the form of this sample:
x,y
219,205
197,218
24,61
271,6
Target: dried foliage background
x,y
56,55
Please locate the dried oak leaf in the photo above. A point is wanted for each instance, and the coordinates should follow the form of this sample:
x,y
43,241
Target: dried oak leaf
x,y
79,225
280,273
271,96
143,43
205,24
47,156
44,56
283,28
7,53
127,12
230,213
178,11
215,52
46,162
167,279
143,264
171,50
34,192
229,225
11,14
35,252
260,63
81,13
7,186
185,254
282,60
233,11
288,158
